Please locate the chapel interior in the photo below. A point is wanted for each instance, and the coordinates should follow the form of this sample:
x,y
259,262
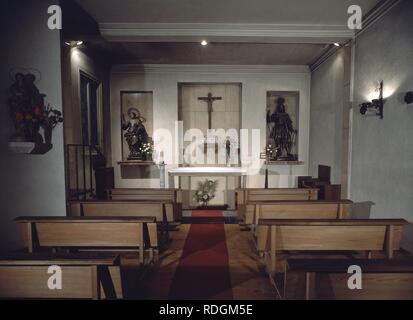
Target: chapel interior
x,y
207,150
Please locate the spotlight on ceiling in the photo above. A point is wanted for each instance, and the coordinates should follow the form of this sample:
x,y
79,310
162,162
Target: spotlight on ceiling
x,y
74,43
204,42
336,44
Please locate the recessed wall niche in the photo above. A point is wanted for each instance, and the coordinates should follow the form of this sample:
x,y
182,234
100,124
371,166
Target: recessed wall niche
x,y
194,111
283,124
140,103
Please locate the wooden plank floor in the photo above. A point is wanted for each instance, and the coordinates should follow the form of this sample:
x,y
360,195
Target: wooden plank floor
x,y
247,274
248,278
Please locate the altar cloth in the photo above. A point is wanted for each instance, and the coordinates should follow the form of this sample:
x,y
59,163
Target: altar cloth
x,y
213,171
207,171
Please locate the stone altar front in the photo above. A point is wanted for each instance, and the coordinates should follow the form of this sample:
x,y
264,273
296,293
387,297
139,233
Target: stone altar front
x,y
237,172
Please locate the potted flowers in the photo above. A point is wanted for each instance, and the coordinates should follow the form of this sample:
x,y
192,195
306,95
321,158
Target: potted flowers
x,y
205,192
146,150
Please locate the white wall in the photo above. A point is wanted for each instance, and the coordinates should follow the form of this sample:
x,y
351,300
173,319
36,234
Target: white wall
x,y
29,184
256,81
382,151
327,92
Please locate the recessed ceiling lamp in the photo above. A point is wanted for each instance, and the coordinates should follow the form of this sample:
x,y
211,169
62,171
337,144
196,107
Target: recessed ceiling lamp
x,y
74,44
204,42
336,44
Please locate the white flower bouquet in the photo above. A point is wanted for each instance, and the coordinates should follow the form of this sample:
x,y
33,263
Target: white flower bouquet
x,y
205,192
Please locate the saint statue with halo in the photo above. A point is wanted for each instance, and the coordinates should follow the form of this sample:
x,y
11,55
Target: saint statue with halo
x,y
135,133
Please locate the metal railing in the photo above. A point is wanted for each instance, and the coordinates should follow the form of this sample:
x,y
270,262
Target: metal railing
x,y
81,162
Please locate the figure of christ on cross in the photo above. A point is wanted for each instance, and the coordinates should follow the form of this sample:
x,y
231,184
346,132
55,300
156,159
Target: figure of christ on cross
x,y
209,100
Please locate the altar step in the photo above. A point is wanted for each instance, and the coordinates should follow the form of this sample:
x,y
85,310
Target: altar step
x,y
209,216
206,220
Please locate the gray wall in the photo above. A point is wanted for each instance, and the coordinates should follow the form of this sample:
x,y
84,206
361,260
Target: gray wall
x,y
29,184
382,150
326,116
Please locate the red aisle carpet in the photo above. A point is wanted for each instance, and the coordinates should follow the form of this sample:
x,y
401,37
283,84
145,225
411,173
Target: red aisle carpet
x,y
207,214
203,270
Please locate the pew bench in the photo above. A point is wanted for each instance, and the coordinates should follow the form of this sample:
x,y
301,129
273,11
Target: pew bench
x,y
83,276
162,211
306,235
118,234
245,196
173,196
297,210
327,279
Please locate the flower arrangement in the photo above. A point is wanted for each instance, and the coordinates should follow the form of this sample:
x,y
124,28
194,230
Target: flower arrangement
x,y
146,149
206,191
28,124
270,151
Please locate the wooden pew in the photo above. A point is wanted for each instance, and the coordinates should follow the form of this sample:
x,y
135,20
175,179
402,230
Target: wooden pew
x,y
275,235
245,196
297,210
327,279
136,234
84,276
173,196
162,211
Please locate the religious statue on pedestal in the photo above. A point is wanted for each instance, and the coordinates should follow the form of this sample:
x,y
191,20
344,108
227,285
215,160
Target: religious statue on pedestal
x,y
135,135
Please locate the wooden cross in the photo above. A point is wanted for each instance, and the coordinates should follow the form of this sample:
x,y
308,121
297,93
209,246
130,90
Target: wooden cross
x,y
209,99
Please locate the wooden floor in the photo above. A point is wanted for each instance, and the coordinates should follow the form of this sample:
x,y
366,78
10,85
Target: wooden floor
x,y
247,274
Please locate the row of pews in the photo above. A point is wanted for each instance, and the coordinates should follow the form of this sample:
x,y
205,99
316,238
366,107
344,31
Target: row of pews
x,y
102,248
310,247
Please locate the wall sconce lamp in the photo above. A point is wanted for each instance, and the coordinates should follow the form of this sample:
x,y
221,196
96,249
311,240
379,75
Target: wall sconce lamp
x,y
375,104
408,98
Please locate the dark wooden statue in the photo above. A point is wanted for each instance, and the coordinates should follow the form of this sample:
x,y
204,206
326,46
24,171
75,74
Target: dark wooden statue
x,y
135,135
282,134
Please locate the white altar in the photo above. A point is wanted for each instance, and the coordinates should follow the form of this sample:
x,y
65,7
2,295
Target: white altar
x,y
207,172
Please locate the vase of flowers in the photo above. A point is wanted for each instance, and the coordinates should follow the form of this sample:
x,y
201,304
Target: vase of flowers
x,y
51,118
205,192
270,151
146,150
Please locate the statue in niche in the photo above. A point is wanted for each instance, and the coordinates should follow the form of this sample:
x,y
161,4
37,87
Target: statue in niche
x,y
135,135
282,134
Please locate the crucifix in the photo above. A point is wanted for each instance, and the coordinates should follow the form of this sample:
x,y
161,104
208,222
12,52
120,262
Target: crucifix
x,y
209,99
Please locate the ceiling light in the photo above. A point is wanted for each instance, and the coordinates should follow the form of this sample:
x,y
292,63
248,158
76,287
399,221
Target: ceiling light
x,y
74,43
204,42
336,44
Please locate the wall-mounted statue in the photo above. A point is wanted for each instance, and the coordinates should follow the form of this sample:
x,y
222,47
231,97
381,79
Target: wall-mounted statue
x,y
135,133
29,112
282,134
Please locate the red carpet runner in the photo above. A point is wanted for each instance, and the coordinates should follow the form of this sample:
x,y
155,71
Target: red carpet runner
x,y
203,270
